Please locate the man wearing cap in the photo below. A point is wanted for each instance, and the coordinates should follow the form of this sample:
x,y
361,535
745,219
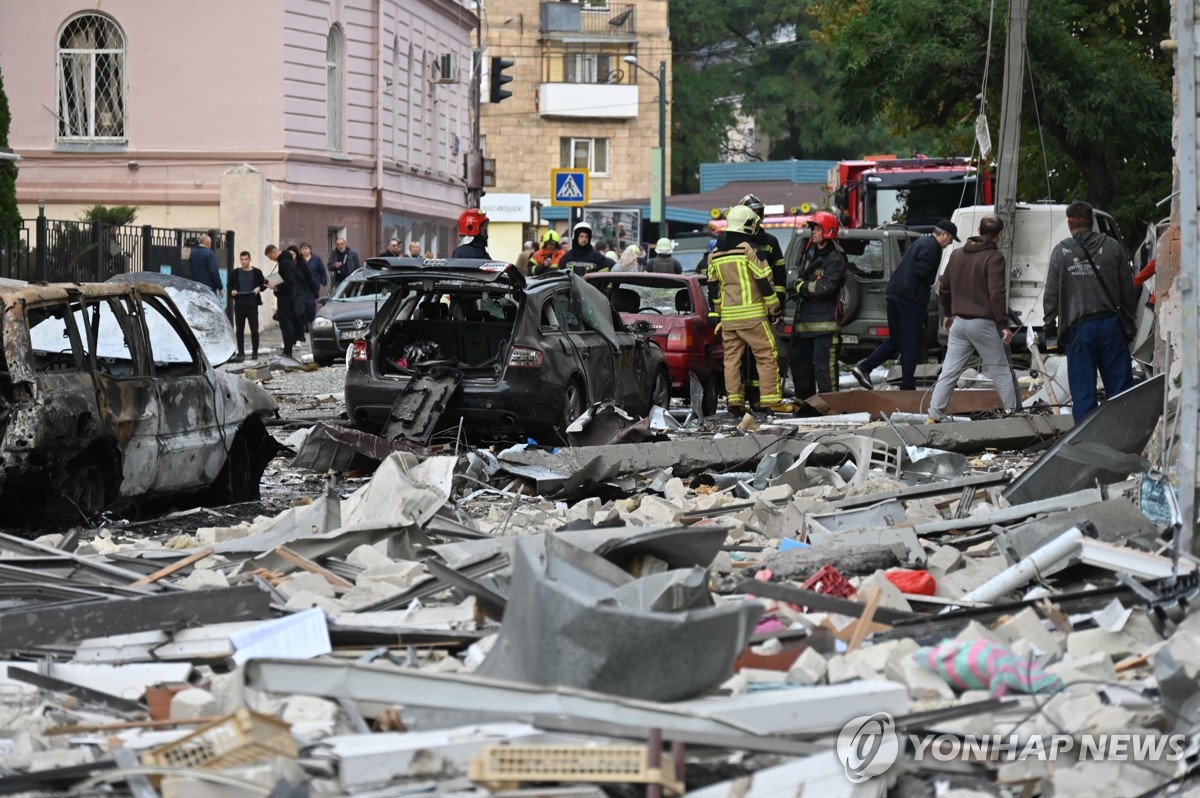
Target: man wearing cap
x,y
974,297
907,307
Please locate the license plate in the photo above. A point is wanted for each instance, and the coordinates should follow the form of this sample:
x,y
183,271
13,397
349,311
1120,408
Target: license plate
x,y
849,339
351,335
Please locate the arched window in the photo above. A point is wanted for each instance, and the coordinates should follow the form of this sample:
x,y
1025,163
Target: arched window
x,y
91,80
334,89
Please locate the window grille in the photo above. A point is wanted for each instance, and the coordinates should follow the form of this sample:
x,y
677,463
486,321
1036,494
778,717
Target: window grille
x,y
91,80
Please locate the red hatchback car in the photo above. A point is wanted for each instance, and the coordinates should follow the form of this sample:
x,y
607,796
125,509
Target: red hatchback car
x,y
675,306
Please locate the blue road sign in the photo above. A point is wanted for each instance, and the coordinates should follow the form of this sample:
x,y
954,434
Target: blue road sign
x,y
569,187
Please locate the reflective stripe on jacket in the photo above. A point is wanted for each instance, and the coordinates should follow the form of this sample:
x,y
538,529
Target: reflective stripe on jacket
x,y
738,272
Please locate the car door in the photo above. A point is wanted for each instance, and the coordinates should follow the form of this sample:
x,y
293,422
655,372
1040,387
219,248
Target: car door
x,y
127,401
594,351
192,442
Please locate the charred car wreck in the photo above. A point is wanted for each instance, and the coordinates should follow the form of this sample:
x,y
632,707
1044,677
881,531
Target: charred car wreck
x,y
106,394
480,343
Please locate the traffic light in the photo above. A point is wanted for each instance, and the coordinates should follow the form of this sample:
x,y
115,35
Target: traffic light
x,y
498,92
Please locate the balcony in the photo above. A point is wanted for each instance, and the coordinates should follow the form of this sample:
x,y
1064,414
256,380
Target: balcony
x,y
591,100
589,20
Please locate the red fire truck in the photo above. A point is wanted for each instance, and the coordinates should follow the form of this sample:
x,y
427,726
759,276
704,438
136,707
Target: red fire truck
x,y
916,192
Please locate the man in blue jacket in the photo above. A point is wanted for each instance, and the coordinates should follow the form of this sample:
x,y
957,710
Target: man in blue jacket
x,y
907,307
203,265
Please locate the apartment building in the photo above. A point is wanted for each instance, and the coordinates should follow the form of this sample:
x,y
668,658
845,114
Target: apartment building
x,y
284,120
576,102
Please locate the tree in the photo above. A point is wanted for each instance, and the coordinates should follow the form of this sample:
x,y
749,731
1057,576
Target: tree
x,y
8,169
1098,95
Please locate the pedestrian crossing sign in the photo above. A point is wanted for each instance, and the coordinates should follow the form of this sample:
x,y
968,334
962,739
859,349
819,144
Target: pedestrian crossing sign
x,y
569,187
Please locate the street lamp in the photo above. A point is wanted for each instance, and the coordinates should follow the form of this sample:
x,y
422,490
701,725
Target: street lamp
x,y
661,79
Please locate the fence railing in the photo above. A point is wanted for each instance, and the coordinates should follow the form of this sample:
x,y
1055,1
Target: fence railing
x,y
56,251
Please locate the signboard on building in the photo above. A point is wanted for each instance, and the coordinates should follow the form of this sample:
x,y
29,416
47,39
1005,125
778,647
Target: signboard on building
x,y
569,187
506,207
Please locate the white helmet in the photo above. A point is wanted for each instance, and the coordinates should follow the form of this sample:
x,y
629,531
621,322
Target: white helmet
x,y
665,246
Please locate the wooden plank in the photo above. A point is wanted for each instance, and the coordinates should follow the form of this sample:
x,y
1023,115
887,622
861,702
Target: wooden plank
x,y
80,728
863,625
178,565
302,562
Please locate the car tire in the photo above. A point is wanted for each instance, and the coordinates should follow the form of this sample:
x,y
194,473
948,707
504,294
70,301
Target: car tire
x,y
324,361
851,297
249,452
573,402
85,485
660,391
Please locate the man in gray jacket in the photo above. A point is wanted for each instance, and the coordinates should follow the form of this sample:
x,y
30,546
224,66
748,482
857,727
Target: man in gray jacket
x,y
974,299
1090,295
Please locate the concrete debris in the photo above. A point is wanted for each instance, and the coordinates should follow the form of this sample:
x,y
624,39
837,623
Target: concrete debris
x,y
726,593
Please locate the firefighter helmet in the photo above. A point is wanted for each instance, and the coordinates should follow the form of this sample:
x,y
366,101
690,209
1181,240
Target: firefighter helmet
x,y
582,227
471,222
742,219
664,246
753,203
827,222
551,237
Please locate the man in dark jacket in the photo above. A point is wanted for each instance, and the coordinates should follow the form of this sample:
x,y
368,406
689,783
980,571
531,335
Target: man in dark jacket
x,y
582,258
813,357
907,307
203,265
473,230
1088,304
663,261
342,261
974,298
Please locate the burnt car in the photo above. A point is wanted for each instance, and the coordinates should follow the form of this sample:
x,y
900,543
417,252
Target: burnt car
x,y
107,394
530,353
673,308
347,313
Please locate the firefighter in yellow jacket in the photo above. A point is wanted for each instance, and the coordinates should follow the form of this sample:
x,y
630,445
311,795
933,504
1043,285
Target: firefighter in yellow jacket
x,y
743,295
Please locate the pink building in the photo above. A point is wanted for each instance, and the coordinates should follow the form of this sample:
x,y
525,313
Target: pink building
x,y
283,120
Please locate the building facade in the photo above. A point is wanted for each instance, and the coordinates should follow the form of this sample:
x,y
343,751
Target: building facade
x,y
283,120
576,103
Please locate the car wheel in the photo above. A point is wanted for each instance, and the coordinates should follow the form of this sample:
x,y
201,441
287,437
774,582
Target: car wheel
x,y
708,405
324,361
84,486
572,404
851,299
660,393
238,481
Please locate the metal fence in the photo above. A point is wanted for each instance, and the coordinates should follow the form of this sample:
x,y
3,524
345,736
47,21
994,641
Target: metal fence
x,y
50,250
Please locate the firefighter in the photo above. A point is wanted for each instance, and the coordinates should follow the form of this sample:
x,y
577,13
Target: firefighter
x,y
815,330
548,256
771,253
473,227
743,296
582,258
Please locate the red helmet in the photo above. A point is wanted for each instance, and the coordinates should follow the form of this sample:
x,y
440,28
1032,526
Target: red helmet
x,y
471,222
827,222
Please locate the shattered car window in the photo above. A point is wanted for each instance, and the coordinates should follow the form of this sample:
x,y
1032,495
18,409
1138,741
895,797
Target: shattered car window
x,y
358,290
593,309
51,339
169,351
105,337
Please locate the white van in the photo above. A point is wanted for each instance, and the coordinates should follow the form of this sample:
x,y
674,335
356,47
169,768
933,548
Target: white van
x,y
1036,231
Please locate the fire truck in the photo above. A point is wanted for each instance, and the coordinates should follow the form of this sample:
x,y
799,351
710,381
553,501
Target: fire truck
x,y
915,192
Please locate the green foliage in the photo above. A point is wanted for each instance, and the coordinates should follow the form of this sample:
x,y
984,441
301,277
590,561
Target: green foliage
x,y
1097,107
8,170
115,215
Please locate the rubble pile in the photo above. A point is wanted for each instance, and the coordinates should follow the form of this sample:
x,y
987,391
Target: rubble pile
x,y
835,609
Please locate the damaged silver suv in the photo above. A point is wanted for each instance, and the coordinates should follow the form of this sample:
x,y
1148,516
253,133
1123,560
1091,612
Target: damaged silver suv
x,y
107,394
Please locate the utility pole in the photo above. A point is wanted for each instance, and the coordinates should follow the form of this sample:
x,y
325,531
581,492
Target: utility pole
x,y
1010,123
1186,282
474,170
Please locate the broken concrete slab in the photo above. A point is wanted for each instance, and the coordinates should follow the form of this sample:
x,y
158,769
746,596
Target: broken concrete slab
x,y
1105,447
803,710
850,560
573,619
881,404
973,437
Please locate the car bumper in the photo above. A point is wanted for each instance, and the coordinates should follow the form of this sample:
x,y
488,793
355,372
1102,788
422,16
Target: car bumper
x,y
680,364
501,406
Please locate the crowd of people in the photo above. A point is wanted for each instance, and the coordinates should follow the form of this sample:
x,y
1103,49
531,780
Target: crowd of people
x,y
1090,295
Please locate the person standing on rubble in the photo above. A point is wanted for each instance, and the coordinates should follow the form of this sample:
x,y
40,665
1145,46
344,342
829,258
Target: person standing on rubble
x,y
816,334
907,307
771,253
743,297
1090,294
974,299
